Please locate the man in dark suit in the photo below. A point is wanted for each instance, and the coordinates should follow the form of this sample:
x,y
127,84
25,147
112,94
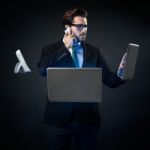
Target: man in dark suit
x,y
67,119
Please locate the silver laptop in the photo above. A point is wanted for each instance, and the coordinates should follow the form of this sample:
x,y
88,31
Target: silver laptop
x,y
74,85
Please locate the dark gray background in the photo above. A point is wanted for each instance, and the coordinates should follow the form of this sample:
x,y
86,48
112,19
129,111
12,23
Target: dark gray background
x,y
30,25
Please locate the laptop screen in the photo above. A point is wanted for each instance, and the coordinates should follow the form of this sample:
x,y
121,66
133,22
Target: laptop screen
x,y
74,84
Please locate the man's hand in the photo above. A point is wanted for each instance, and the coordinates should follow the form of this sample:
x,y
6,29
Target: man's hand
x,y
121,68
68,38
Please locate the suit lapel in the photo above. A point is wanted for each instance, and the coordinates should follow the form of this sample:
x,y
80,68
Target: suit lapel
x,y
63,54
86,54
63,57
61,51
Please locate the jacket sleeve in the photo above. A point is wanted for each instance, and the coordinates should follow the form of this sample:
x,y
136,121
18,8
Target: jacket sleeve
x,y
45,61
109,78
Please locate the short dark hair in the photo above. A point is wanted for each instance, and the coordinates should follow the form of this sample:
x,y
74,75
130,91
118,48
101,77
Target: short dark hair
x,y
69,15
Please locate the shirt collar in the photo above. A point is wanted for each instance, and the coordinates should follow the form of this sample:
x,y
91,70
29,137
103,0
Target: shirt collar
x,y
77,50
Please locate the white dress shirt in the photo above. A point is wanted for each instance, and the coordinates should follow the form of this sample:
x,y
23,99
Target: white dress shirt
x,y
79,54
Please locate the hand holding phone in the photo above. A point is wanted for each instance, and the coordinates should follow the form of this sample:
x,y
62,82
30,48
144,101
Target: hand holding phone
x,y
68,30
68,38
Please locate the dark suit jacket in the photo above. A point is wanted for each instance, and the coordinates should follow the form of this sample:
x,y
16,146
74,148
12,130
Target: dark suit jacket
x,y
56,55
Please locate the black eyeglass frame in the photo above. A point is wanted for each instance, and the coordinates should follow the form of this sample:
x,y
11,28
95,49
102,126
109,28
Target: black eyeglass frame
x,y
80,26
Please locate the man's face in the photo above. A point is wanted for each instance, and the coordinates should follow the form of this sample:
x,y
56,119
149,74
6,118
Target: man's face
x,y
79,27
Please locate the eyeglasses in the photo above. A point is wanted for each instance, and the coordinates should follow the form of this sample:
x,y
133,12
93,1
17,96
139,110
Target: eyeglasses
x,y
80,26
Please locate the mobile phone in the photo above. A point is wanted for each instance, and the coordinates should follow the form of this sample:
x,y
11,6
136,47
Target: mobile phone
x,y
68,30
75,40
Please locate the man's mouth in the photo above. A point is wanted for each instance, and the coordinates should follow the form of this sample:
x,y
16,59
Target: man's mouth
x,y
82,35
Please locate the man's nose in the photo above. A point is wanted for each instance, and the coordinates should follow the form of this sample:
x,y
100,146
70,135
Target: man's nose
x,y
84,30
